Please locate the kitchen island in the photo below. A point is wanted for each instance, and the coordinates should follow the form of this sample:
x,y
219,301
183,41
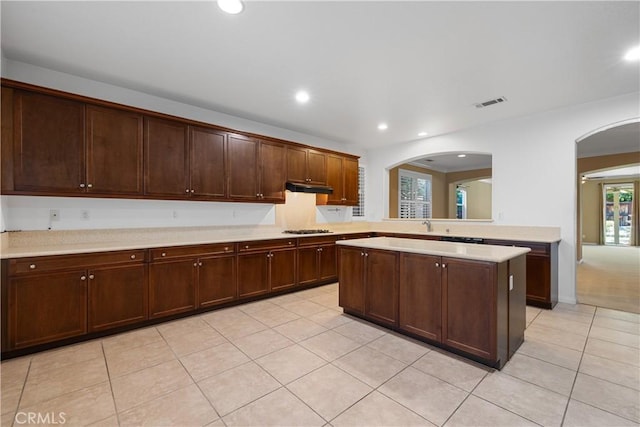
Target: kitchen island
x,y
468,299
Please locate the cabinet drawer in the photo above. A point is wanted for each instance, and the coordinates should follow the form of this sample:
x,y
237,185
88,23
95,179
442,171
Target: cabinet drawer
x,y
320,240
65,262
260,245
538,248
191,251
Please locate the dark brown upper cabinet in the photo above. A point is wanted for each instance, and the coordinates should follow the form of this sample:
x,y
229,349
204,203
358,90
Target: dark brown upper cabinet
x,y
256,169
48,144
114,151
342,176
208,149
166,158
306,165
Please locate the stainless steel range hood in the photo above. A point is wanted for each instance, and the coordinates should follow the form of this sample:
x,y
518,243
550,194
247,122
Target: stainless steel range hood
x,y
309,188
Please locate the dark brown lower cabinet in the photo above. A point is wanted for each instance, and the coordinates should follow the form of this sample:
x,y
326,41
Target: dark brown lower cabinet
x,y
172,287
317,260
217,280
460,304
469,313
381,286
52,298
265,271
184,278
46,308
117,296
420,295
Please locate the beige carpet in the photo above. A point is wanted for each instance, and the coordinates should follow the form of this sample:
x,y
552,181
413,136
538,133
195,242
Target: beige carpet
x,y
609,276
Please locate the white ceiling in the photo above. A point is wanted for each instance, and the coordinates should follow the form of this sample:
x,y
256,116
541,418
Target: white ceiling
x,y
418,66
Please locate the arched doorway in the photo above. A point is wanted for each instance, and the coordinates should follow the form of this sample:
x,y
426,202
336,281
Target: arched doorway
x,y
608,181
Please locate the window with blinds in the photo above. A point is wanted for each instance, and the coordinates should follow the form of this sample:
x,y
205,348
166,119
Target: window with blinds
x,y
415,194
359,209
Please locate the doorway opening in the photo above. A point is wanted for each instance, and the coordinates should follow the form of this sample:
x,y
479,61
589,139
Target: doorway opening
x,y
618,213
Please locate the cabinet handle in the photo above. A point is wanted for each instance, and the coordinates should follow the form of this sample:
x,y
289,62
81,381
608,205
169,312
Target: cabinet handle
x,y
163,254
226,248
199,264
437,264
133,257
81,185
186,191
366,254
193,191
91,276
32,266
89,185
361,253
291,243
246,246
195,264
444,265
83,277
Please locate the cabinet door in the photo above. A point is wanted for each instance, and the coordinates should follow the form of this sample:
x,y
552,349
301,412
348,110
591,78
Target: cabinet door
x,y
243,167
381,286
208,164
172,287
253,274
282,269
47,308
307,265
469,312
217,280
350,170
49,149
328,265
538,278
296,164
335,179
351,277
117,296
420,296
272,171
166,158
317,167
114,151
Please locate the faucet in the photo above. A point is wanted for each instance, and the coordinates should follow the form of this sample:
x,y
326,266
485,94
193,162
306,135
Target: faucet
x,y
428,224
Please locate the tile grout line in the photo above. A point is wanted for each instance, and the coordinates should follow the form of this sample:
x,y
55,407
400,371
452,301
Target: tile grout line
x,y
113,396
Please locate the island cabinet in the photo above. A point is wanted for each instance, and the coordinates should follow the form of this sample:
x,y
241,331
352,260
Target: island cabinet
x,y
266,266
57,297
256,169
342,176
306,165
317,260
369,283
471,306
185,278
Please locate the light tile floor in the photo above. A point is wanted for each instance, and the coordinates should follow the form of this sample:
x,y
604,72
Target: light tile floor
x,y
297,360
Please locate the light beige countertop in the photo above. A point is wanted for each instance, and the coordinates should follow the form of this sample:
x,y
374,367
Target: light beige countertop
x,y
477,252
20,244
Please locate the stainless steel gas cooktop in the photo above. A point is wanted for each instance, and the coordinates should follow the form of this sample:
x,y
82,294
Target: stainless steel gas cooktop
x,y
306,231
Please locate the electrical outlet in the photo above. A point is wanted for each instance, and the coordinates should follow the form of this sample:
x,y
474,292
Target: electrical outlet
x,y
54,215
84,215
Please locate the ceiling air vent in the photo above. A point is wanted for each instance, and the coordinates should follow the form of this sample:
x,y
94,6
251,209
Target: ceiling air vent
x,y
491,102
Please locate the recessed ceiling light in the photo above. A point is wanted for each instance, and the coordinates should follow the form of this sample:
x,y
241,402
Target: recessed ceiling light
x,y
462,155
633,54
232,7
422,134
383,126
302,97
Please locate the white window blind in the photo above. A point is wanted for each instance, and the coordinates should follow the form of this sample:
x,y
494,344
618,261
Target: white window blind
x,y
359,209
415,194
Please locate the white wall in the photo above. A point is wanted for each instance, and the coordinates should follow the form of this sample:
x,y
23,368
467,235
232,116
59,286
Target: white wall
x,y
32,213
534,168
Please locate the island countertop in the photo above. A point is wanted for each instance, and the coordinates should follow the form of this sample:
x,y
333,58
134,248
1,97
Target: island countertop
x,y
477,252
